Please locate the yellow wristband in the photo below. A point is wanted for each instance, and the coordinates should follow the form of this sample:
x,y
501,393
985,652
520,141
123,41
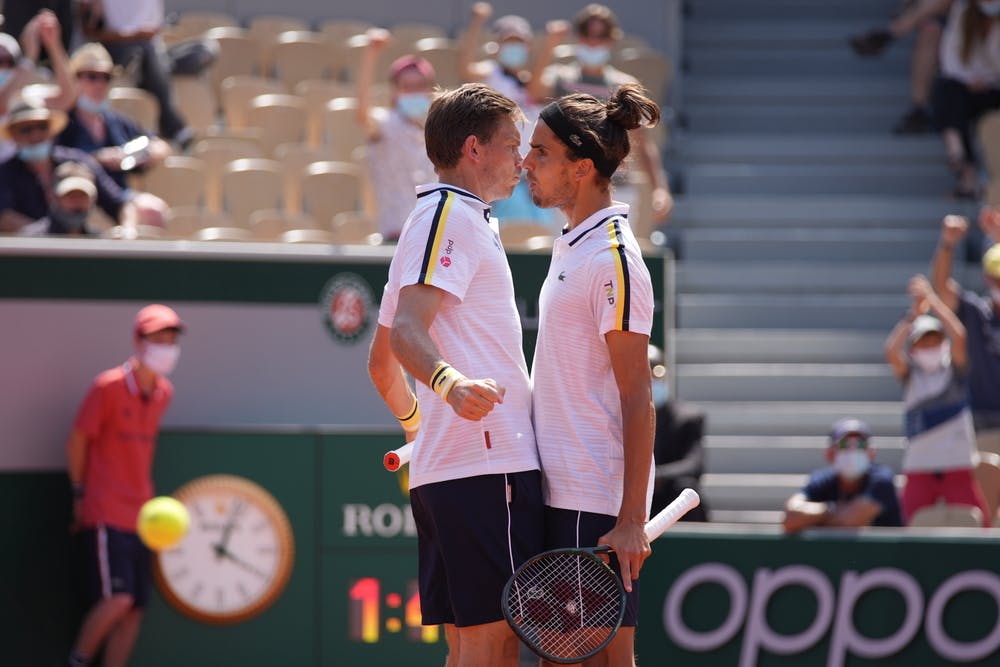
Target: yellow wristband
x,y
411,422
443,379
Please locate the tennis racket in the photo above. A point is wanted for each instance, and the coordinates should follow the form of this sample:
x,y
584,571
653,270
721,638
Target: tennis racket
x,y
567,604
395,459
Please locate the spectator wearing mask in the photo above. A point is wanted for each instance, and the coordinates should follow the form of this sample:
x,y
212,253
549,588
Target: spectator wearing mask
x,y
75,195
980,316
27,179
130,30
508,71
114,140
18,67
397,156
596,28
852,491
927,353
110,459
969,85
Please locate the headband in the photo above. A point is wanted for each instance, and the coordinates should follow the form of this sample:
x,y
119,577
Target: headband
x,y
581,143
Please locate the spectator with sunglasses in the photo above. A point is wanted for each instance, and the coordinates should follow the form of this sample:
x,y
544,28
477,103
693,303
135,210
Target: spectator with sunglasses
x,y
852,491
114,140
928,354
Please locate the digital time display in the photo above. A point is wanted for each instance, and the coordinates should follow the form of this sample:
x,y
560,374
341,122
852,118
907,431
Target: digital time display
x,y
373,611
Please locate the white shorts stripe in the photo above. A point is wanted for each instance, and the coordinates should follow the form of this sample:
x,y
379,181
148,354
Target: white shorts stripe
x,y
103,565
510,545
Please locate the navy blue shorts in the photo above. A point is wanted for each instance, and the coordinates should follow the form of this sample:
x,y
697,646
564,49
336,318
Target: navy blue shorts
x,y
472,533
567,529
115,562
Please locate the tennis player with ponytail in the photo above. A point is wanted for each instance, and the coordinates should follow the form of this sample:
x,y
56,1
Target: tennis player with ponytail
x,y
592,402
448,319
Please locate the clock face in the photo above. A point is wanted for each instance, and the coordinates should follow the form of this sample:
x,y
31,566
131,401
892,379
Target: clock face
x,y
237,555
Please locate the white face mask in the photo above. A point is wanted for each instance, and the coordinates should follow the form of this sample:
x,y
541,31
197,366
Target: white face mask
x,y
932,359
161,358
851,463
593,56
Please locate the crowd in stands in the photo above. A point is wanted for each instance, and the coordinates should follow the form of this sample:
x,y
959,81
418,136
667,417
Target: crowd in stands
x,y
203,129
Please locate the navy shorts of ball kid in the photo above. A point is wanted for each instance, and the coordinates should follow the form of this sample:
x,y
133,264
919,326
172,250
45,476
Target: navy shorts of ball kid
x,y
116,561
472,533
571,529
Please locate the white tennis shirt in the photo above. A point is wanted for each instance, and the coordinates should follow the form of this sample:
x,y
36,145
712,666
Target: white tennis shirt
x,y
597,282
450,242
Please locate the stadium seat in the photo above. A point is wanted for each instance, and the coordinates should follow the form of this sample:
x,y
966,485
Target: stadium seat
x,y
317,93
236,93
270,224
139,105
308,236
194,23
651,69
195,99
341,133
294,158
179,181
300,55
251,184
281,119
237,55
355,228
183,221
216,153
264,31
222,234
516,233
329,188
443,55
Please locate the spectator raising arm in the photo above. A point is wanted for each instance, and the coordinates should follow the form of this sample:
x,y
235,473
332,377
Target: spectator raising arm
x,y
953,230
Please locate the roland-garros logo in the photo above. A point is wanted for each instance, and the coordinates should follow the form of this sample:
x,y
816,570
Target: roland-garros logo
x,y
348,306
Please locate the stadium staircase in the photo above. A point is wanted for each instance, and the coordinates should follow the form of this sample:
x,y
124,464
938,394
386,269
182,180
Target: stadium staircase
x,y
801,218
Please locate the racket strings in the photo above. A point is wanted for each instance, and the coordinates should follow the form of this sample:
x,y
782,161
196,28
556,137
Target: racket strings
x,y
566,604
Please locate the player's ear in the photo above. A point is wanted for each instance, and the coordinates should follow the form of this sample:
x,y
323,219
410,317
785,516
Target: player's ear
x,y
471,147
581,168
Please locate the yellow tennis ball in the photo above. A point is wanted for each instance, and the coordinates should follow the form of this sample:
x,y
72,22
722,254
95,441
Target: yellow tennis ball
x,y
163,522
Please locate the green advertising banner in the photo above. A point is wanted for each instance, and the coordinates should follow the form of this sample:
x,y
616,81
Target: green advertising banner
x,y
888,598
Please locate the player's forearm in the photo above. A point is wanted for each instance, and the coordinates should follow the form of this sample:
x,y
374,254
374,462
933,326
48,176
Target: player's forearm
x,y
388,376
638,425
76,454
415,349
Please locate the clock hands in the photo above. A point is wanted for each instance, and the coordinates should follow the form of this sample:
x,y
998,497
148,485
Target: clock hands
x,y
222,552
227,530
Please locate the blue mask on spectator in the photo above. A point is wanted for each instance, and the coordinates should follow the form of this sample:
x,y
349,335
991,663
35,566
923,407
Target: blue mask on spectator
x,y
5,75
592,56
513,55
413,105
68,221
35,152
91,106
661,393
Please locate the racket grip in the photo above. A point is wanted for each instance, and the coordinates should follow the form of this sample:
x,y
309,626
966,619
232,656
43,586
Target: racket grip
x,y
395,459
668,516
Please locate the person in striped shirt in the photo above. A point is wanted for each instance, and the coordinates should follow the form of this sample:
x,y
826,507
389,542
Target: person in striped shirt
x,y
448,318
591,383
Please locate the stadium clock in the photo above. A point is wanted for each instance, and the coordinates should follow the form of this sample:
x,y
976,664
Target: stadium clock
x,y
237,556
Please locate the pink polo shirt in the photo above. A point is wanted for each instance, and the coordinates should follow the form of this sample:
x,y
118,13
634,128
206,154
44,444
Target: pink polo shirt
x,y
121,425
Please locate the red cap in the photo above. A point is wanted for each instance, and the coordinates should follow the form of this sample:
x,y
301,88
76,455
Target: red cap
x,y
422,65
156,317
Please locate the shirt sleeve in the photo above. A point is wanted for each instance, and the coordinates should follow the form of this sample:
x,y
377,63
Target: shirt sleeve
x,y
821,487
438,250
90,416
881,489
621,291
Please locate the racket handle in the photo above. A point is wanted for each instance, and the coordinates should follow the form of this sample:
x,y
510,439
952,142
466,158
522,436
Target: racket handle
x,y
397,458
668,516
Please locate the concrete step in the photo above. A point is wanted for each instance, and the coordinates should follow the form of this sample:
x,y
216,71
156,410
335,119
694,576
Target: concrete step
x,y
744,492
786,382
776,418
803,118
803,35
763,454
798,277
832,62
742,311
869,12
805,245
889,90
883,211
737,346
809,150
